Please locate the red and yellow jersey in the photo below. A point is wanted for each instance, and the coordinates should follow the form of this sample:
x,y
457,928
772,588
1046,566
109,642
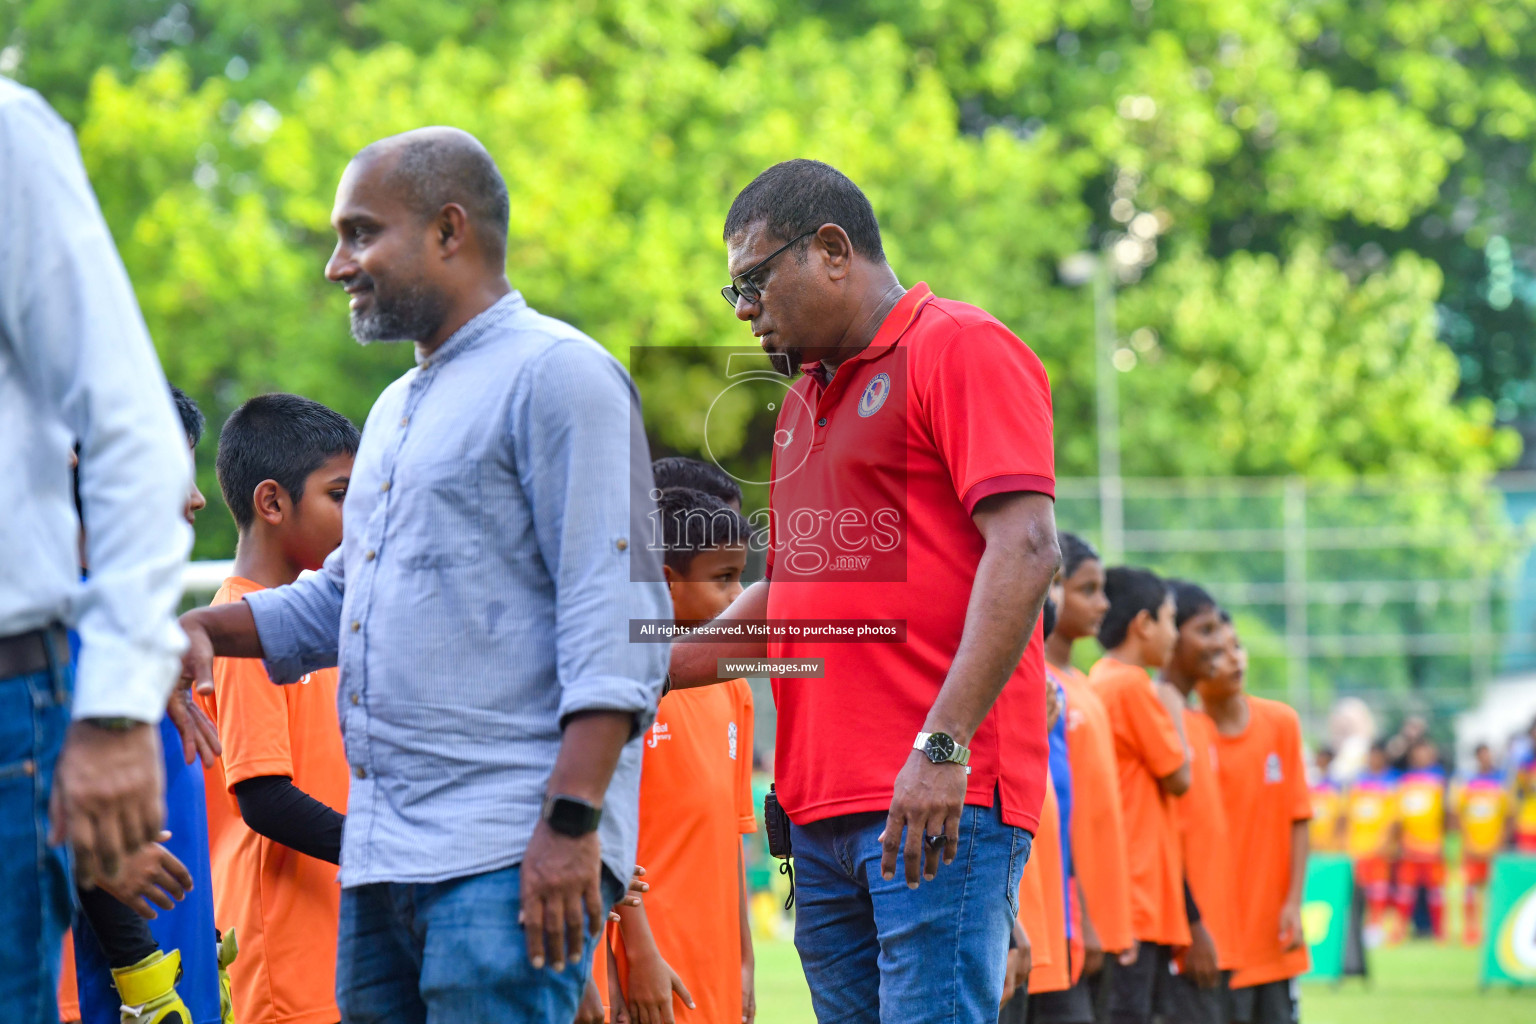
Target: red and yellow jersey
x,y
1525,803
1421,805
1482,805
1371,811
1328,804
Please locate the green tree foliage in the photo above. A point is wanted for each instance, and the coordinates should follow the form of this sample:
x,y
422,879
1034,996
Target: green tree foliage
x,y
1268,175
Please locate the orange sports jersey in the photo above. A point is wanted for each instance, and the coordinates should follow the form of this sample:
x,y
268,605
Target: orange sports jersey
x,y
1371,810
1099,852
1045,918
1482,805
695,805
1327,816
1032,914
1207,840
283,905
1147,748
1264,788
1421,807
69,994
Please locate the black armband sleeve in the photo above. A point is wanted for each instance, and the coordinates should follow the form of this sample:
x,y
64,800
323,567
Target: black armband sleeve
x,y
1190,910
275,808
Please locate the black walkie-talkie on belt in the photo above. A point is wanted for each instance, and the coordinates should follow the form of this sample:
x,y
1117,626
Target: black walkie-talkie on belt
x,y
776,824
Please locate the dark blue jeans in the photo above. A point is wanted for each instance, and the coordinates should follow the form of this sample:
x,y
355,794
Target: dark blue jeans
x,y
34,878
450,953
876,952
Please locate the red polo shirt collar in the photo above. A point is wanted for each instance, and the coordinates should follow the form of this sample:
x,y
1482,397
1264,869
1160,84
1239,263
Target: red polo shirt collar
x,y
901,317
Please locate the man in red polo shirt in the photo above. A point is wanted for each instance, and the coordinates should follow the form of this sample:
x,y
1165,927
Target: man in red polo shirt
x,y
913,481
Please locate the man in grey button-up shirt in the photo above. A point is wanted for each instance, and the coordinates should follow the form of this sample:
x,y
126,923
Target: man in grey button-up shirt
x,y
478,606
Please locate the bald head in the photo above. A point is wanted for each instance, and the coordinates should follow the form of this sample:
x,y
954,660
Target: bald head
x,y
433,167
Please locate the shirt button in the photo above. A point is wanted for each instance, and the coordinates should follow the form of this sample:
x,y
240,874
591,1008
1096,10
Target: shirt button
x,y
404,420
356,699
370,555
385,485
356,626
621,544
360,772
821,422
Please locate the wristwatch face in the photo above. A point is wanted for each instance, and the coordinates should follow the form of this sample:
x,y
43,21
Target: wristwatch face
x,y
939,748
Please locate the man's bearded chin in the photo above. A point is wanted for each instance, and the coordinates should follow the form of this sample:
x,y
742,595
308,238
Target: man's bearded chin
x,y
405,313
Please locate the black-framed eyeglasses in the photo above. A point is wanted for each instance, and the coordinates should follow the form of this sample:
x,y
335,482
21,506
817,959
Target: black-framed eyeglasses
x,y
741,286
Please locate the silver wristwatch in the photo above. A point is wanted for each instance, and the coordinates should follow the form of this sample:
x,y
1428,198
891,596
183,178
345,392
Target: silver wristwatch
x,y
941,748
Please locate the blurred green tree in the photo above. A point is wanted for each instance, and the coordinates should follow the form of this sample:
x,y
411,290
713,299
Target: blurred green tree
x,y
1267,176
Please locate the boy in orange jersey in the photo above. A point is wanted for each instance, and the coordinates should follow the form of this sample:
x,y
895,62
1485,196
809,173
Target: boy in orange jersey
x,y
1482,813
278,794
1043,913
1152,762
686,954
1262,775
1370,832
1100,857
1422,818
1327,805
1197,994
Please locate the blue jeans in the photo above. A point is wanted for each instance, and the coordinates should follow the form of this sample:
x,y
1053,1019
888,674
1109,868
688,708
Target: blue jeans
x,y
876,951
35,894
450,953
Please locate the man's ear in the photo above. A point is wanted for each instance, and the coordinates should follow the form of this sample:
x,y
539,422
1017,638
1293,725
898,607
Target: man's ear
x,y
451,229
270,502
836,251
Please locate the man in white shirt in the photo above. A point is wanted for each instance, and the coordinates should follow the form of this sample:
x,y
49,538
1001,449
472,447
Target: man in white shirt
x,y
76,367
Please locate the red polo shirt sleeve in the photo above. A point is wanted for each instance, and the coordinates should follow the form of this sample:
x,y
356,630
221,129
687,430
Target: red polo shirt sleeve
x,y
987,406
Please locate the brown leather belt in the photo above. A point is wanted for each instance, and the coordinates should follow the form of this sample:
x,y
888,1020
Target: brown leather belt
x,y
26,653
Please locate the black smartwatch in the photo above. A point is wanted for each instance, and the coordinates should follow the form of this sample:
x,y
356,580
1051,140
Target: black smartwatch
x,y
571,816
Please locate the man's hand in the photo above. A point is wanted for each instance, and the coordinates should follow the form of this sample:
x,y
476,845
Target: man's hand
x,y
1201,956
561,895
748,992
108,796
1020,963
1093,947
197,659
199,736
591,1009
153,875
1130,955
1291,934
927,804
651,984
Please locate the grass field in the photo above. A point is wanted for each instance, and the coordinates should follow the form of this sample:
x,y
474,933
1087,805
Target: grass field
x,y
1418,983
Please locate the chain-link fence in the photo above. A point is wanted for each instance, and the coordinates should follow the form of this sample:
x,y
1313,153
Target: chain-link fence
x,y
1411,594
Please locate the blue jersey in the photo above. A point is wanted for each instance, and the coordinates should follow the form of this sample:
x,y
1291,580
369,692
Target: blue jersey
x,y
189,927
1061,779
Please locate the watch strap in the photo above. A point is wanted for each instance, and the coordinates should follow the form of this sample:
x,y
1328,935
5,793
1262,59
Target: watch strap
x,y
571,815
961,755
